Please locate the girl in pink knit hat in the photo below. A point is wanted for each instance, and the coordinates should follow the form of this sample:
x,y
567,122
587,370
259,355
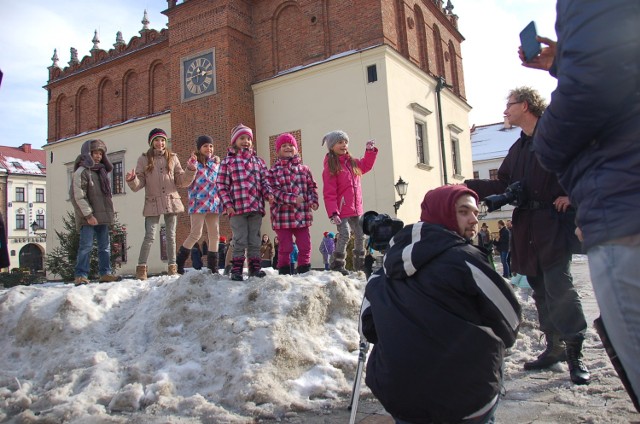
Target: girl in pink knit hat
x,y
296,194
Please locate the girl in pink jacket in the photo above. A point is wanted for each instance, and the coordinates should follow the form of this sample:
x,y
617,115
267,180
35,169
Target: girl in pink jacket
x,y
342,192
296,196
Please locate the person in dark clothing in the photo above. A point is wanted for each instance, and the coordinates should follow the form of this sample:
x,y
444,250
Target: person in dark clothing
x,y
222,251
502,246
540,248
439,317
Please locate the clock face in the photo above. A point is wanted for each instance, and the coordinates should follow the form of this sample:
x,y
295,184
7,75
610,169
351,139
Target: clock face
x,y
198,74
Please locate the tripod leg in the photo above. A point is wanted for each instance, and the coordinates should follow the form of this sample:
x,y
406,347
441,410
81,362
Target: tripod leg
x,y
355,392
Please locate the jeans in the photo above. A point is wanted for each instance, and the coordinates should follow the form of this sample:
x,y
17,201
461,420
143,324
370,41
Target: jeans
x,y
506,272
557,301
150,227
615,276
86,245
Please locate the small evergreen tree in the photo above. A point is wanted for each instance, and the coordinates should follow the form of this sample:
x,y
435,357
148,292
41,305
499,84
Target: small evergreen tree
x,y
62,259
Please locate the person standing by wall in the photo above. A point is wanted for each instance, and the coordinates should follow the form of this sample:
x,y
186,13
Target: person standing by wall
x,y
266,251
502,245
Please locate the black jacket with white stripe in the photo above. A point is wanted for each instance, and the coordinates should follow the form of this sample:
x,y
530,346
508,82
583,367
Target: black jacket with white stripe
x,y
440,318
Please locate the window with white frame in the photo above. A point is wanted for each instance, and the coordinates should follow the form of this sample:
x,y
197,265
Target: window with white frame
x,y
420,114
456,160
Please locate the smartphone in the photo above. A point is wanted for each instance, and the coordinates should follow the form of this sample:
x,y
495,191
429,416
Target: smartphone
x,y
530,45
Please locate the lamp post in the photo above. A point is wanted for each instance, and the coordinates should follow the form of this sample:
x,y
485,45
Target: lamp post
x,y
401,188
441,84
35,228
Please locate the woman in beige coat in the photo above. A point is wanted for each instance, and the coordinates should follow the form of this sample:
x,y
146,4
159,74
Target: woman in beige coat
x,y
159,172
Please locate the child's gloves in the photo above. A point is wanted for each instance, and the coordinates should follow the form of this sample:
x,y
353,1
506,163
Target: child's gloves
x,y
371,144
335,219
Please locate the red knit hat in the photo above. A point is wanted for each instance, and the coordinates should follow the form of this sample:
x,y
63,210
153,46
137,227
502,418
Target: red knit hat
x,y
285,138
239,130
439,205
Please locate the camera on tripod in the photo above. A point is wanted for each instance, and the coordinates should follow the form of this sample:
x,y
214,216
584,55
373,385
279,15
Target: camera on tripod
x,y
514,195
380,228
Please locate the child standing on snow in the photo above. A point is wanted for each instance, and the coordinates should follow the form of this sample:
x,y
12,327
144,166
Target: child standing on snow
x,y
296,194
204,203
327,246
342,193
243,187
159,172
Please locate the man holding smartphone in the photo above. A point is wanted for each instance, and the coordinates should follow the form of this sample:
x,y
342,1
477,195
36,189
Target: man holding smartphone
x,y
590,137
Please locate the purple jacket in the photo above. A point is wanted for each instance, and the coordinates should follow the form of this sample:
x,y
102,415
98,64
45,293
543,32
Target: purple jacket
x,y
288,179
327,246
203,193
242,182
343,192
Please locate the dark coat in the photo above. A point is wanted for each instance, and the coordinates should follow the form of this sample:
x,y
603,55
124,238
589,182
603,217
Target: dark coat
x,y
590,132
502,245
4,249
440,318
539,239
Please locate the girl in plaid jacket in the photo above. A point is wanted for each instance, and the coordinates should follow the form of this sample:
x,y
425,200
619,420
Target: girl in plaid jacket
x,y
296,195
243,187
204,203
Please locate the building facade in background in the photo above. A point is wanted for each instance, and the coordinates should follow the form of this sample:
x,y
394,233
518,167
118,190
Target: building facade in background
x,y
386,69
23,202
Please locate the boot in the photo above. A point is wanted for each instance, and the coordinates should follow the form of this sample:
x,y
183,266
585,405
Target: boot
x,y
109,278
304,268
227,270
183,254
236,268
553,354
577,369
172,269
212,262
338,263
285,270
358,260
255,270
141,272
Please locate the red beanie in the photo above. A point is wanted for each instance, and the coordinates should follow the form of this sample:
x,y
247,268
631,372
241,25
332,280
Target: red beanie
x,y
285,138
439,205
239,130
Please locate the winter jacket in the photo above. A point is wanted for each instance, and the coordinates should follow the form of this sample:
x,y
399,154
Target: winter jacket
x,y
327,246
343,192
293,257
161,184
502,245
203,192
590,133
88,199
440,319
288,179
538,237
4,249
266,251
242,182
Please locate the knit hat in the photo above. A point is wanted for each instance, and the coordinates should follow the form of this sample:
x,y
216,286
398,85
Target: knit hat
x,y
331,235
202,140
239,130
156,132
333,137
439,205
326,233
285,138
223,239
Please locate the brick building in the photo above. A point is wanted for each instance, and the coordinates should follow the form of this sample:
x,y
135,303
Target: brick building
x,y
372,68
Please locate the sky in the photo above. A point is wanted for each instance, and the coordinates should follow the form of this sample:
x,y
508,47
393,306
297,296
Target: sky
x,y
29,35
200,348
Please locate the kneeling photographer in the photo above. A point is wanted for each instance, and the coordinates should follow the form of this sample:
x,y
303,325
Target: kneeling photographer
x,y
541,245
440,318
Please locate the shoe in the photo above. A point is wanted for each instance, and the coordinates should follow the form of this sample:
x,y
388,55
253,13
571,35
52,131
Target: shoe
x,y
109,278
577,369
172,269
212,262
81,280
554,353
141,272
255,269
284,270
236,268
341,271
304,268
181,258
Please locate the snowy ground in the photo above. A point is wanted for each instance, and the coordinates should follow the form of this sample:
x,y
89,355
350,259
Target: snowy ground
x,y
202,348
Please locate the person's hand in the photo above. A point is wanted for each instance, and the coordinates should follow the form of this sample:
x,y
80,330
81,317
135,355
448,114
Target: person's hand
x,y
191,163
216,159
314,206
371,144
92,221
562,203
579,234
231,211
299,200
335,219
545,59
131,175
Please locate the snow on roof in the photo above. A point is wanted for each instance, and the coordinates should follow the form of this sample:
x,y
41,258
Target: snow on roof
x,y
492,141
20,160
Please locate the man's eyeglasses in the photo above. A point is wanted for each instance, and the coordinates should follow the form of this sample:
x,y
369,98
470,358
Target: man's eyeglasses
x,y
511,104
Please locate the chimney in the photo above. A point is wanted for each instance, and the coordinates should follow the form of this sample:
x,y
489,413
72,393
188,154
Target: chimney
x,y
26,147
